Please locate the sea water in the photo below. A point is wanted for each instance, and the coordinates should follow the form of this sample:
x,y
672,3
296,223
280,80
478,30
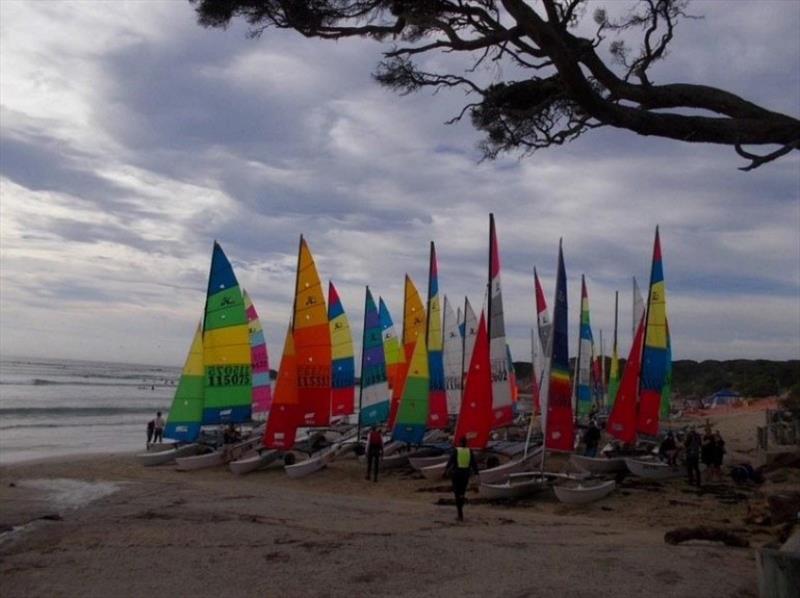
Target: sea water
x,y
52,408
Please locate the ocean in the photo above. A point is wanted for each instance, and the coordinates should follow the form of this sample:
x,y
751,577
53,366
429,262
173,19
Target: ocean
x,y
52,408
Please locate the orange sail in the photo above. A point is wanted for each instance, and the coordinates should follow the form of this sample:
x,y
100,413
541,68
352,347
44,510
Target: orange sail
x,y
312,338
413,318
285,414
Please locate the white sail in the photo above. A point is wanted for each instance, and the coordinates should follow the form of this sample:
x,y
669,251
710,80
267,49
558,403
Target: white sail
x,y
453,359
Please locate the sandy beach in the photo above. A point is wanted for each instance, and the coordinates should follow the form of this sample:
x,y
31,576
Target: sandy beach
x,y
163,532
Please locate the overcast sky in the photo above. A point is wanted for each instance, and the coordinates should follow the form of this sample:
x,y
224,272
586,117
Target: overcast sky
x,y
132,138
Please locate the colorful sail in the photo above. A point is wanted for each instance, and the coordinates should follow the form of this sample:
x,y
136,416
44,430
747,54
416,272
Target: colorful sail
x,y
501,382
656,348
512,377
228,387
374,395
583,386
259,361
412,414
543,324
475,418
666,393
312,340
395,360
453,358
286,414
413,318
437,401
622,421
557,422
343,374
186,412
613,373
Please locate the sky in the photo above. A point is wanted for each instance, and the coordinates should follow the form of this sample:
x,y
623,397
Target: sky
x,y
131,138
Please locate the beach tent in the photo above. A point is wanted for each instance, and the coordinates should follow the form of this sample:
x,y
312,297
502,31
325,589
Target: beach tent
x,y
722,398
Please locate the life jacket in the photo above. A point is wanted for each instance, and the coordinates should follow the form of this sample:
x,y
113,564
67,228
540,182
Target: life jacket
x,y
463,456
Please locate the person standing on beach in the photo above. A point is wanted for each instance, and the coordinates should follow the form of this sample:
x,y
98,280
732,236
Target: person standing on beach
x,y
591,439
693,445
151,428
374,452
159,428
461,464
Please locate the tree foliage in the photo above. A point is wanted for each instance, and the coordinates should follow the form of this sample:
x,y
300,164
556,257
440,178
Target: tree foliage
x,y
564,89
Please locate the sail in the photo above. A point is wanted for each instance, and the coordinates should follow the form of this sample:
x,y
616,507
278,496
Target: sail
x,y
666,393
656,349
312,339
638,307
285,415
342,357
613,373
470,333
501,383
259,360
453,358
583,386
475,418
437,400
412,414
536,356
186,412
228,388
374,396
413,318
557,421
622,421
395,360
543,324
512,377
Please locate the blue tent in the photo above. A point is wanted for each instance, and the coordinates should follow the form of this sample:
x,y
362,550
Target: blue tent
x,y
723,397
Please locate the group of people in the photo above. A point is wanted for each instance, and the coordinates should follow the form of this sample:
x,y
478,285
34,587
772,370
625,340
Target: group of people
x,y
708,450
155,429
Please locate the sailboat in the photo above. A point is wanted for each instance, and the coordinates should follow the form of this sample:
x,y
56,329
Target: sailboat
x,y
470,332
437,398
583,367
613,373
502,408
259,359
395,360
475,417
343,360
374,398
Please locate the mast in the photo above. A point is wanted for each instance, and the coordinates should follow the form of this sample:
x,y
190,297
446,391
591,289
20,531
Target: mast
x,y
296,281
602,371
489,282
361,377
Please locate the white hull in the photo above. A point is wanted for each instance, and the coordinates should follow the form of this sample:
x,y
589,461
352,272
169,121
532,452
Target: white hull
x,y
150,459
419,462
218,457
654,470
253,462
304,468
519,485
501,472
583,494
598,464
161,446
434,472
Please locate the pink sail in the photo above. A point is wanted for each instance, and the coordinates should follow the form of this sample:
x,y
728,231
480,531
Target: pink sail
x,y
259,358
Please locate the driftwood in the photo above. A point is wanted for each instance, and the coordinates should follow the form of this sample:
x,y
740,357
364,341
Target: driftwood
x,y
714,534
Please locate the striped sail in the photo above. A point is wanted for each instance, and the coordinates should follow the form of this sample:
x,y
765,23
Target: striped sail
x,y
374,395
412,414
469,333
613,374
259,360
413,318
556,394
285,414
583,386
395,360
228,388
475,418
343,360
312,338
437,400
655,353
543,323
501,383
453,358
622,420
666,393
186,412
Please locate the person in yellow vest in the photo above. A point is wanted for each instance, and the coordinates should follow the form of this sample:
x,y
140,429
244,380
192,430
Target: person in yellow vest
x,y
461,464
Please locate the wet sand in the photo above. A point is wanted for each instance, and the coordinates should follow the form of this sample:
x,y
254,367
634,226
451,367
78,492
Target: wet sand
x,y
208,532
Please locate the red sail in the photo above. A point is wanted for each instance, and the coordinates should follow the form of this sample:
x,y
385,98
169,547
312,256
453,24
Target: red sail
x,y
475,417
622,421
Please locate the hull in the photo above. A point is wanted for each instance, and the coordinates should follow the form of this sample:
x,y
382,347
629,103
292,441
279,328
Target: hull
x,y
501,472
150,459
653,470
401,459
218,457
519,485
583,494
598,464
434,472
419,463
161,446
304,468
253,462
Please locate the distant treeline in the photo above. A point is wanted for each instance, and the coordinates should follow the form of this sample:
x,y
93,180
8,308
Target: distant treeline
x,y
691,379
